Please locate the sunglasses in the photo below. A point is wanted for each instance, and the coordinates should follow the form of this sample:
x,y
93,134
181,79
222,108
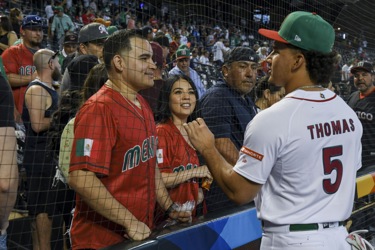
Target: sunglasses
x,y
53,56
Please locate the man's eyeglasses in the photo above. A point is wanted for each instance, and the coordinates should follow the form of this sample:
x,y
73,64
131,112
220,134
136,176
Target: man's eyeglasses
x,y
53,56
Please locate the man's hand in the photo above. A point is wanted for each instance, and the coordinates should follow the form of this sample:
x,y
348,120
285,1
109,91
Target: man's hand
x,y
137,230
183,216
200,135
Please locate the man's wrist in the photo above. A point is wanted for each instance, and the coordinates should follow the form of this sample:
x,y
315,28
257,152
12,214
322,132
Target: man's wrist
x,y
3,232
171,208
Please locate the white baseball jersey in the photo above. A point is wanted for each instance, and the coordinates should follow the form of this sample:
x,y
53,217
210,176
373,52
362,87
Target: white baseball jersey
x,y
305,150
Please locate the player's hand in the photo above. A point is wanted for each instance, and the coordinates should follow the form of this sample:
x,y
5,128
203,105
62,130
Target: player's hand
x,y
200,135
137,230
183,216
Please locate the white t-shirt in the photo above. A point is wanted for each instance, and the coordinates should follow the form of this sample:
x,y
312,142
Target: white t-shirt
x,y
345,73
218,50
49,11
204,60
305,150
183,40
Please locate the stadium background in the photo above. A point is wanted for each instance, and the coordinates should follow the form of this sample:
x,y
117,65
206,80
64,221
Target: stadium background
x,y
354,23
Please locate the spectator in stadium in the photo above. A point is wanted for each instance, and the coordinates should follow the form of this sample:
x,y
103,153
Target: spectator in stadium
x,y
183,67
16,17
345,72
61,24
194,59
70,101
267,93
49,9
285,161
163,41
70,46
184,34
174,45
8,160
116,195
93,6
41,100
88,16
77,72
7,35
363,103
227,109
177,159
91,39
204,58
218,50
148,33
18,60
131,22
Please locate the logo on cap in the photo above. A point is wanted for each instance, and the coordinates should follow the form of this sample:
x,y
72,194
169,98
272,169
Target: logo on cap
x,y
103,29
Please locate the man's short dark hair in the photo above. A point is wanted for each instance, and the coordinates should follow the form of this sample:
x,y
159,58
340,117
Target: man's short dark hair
x,y
116,43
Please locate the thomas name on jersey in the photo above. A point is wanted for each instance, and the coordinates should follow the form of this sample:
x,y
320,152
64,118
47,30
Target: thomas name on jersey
x,y
337,127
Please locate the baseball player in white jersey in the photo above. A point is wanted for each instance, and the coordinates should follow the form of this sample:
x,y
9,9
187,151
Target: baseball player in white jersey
x,y
300,156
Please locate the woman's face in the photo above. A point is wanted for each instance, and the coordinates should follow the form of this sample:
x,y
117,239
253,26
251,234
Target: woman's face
x,y
182,100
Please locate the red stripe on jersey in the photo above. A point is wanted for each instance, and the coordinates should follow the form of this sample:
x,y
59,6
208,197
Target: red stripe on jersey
x,y
252,153
311,100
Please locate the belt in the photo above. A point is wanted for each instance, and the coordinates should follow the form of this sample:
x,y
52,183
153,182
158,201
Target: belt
x,y
273,228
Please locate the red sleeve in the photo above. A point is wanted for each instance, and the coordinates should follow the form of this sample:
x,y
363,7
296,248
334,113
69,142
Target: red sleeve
x,y
164,139
10,60
95,130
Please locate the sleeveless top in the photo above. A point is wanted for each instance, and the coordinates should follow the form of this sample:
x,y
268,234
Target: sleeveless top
x,y
36,148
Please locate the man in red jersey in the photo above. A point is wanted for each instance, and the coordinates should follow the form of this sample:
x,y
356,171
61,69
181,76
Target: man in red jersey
x,y
18,60
113,166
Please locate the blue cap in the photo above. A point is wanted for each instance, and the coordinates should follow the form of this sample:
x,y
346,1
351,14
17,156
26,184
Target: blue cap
x,y
31,21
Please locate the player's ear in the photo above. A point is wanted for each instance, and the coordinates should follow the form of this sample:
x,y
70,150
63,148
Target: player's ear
x,y
299,60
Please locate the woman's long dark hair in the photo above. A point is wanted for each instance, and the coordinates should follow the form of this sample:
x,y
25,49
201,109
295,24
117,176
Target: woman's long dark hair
x,y
163,112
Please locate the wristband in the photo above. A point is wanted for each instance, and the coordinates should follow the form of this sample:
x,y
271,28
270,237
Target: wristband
x,y
171,208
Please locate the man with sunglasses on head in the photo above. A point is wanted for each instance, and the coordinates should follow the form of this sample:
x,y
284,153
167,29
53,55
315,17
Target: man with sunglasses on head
x,y
18,60
41,101
91,40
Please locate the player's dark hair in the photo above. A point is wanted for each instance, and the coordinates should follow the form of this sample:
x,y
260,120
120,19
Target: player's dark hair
x,y
320,66
117,43
163,112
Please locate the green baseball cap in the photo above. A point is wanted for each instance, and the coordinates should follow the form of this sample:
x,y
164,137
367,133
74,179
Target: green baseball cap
x,y
182,53
304,30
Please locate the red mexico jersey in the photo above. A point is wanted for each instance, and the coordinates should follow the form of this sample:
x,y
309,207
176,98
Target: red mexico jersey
x,y
175,155
116,140
18,59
